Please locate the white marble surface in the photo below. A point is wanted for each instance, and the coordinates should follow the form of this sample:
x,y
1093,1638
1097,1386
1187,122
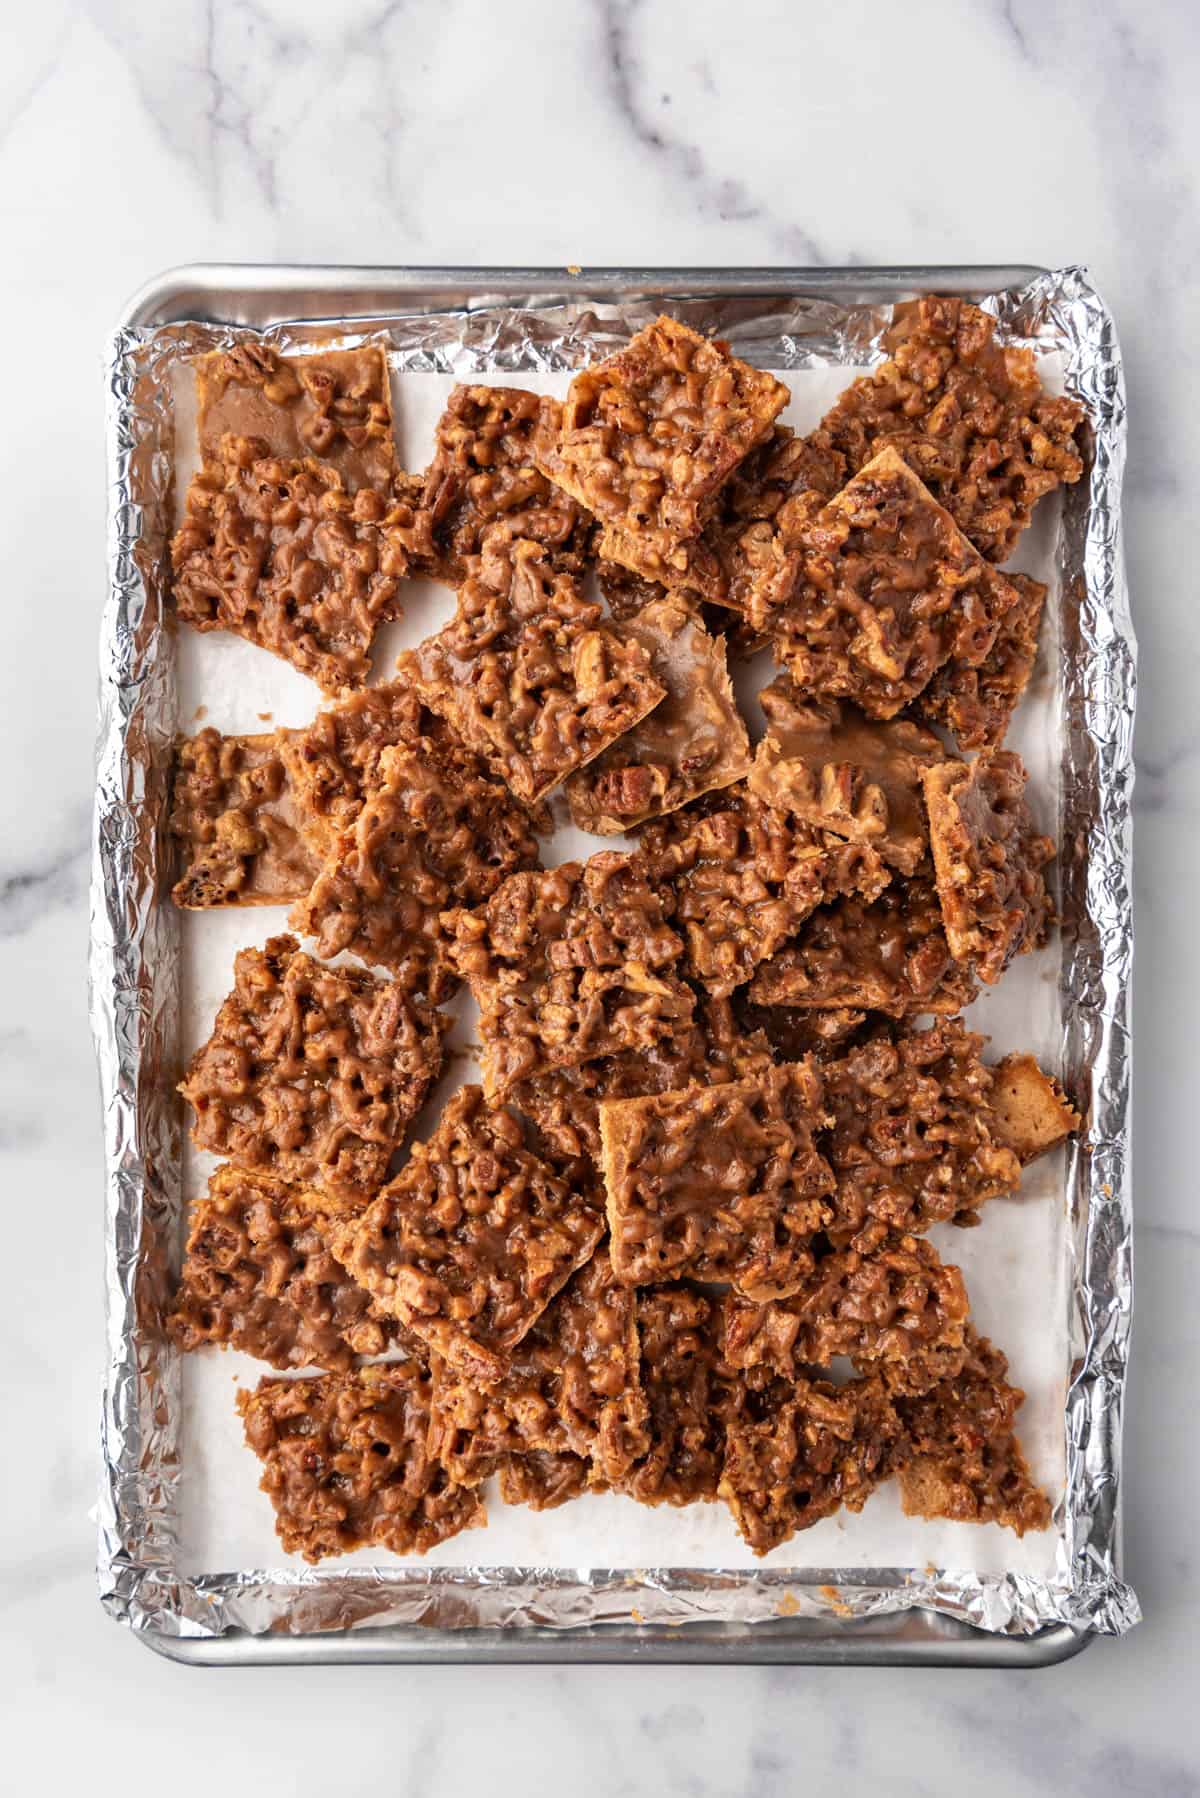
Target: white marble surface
x,y
135,136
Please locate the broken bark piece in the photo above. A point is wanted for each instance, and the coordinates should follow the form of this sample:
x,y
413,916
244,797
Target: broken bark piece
x,y
857,777
693,742
238,823
346,1464
438,830
258,1276
887,954
886,1301
1030,1112
572,1387
988,858
569,965
912,1142
797,1451
889,589
334,405
527,674
718,1183
976,704
962,1458
649,436
312,1073
483,473
969,415
744,877
470,1242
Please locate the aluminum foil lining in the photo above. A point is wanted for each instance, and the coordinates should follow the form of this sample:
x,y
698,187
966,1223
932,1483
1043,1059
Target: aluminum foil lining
x,y
135,999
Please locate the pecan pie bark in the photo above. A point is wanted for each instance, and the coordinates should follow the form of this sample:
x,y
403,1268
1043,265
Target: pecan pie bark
x,y
718,1183
649,436
572,1388
563,1104
886,954
797,1451
544,1481
334,761
345,1463
989,859
744,877
435,831
969,416
962,1457
279,553
334,406
693,742
312,1073
762,512
690,1394
976,704
889,590
468,1245
569,965
483,473
792,1034
912,1142
857,777
886,1301
258,1276
237,823
1030,1112
526,673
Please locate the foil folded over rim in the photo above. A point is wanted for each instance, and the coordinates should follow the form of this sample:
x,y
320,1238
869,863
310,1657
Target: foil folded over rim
x,y
135,1004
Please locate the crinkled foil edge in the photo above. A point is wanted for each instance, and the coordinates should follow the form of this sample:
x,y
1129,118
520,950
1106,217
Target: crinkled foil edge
x,y
135,991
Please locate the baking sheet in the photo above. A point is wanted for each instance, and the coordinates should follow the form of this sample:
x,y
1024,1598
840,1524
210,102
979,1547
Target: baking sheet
x,y
1020,1264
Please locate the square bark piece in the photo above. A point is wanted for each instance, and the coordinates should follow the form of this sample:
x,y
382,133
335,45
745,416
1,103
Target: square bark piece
x,y
649,437
570,965
436,831
690,1394
718,1183
857,777
312,1073
564,1105
988,858
691,743
468,1245
744,877
237,823
969,416
886,954
1030,1112
912,1142
976,704
483,473
962,1457
334,761
278,552
889,590
572,1388
526,674
334,406
258,1276
345,1463
798,1451
886,1301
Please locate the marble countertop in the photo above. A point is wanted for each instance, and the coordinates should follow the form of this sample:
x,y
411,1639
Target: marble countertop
x,y
134,137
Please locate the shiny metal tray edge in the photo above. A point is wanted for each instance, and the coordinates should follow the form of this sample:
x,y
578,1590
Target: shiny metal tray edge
x,y
263,294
